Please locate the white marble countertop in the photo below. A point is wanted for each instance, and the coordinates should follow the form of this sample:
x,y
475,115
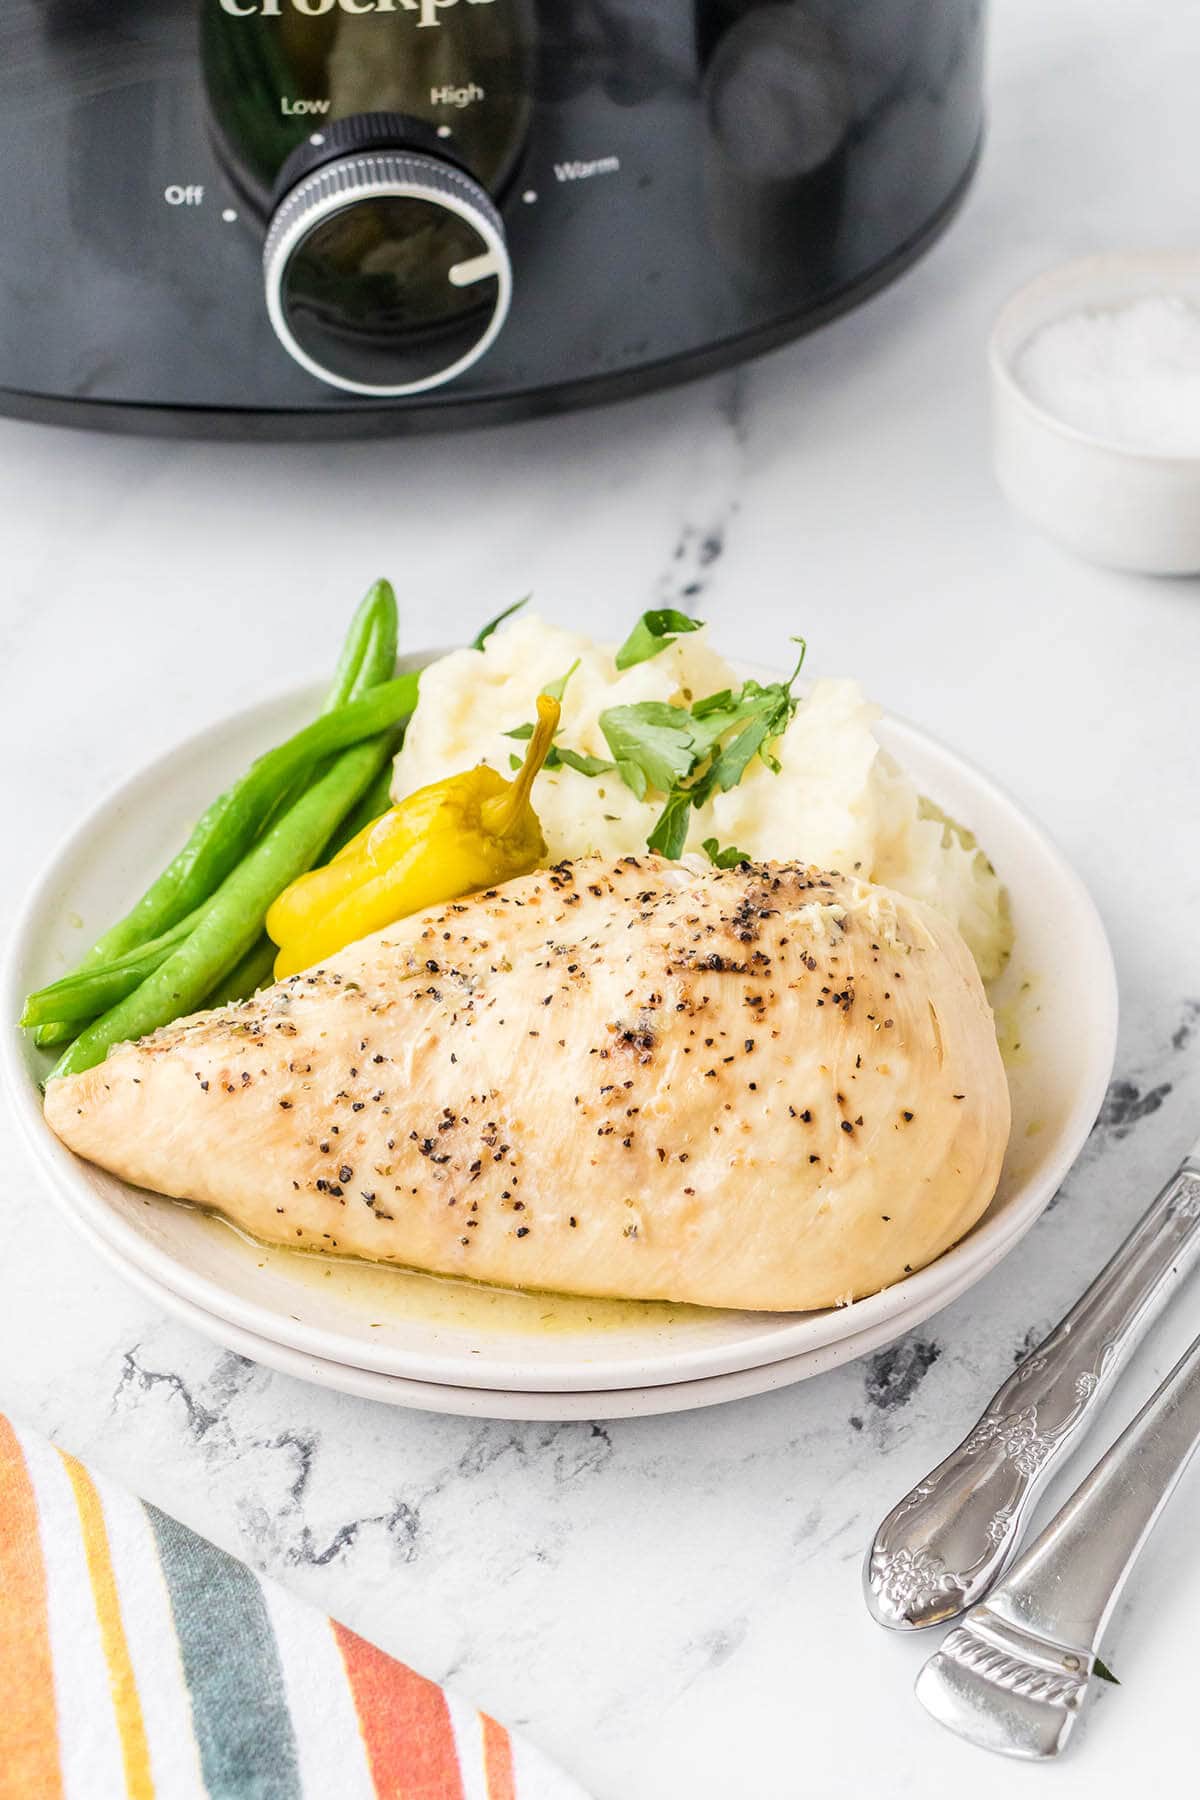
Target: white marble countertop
x,y
671,1606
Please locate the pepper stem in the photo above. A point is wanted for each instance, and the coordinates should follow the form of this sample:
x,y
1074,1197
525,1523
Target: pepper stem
x,y
502,814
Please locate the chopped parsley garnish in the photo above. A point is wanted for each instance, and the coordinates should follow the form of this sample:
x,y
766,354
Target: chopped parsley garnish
x,y
586,765
681,753
485,631
654,632
652,743
559,756
684,753
728,858
670,834
554,690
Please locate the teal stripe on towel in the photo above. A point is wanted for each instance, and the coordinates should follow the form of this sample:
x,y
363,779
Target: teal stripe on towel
x,y
243,1729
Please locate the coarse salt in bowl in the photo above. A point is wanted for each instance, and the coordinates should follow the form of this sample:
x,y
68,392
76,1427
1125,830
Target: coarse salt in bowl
x,y
1095,377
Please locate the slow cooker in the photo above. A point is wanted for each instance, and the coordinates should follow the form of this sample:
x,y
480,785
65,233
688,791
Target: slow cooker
x,y
307,217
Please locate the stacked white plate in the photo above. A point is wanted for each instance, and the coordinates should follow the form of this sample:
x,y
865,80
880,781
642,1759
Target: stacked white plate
x,y
414,1340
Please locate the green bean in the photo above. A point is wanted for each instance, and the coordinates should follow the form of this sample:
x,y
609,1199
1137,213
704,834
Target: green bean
x,y
84,995
362,638
380,708
257,967
379,655
234,917
368,657
375,665
359,720
47,1037
77,999
227,838
255,970
58,1012
374,803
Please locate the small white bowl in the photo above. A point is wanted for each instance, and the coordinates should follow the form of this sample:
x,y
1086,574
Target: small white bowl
x,y
1127,508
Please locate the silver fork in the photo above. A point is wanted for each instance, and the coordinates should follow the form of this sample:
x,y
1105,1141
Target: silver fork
x,y
940,1548
1013,1673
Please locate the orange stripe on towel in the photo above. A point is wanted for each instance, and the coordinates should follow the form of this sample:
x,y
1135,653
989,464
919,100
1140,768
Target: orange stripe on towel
x,y
405,1725
498,1761
131,1727
28,1722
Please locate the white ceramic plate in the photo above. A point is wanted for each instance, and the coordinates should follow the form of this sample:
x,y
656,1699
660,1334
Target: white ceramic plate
x,y
1060,991
499,1403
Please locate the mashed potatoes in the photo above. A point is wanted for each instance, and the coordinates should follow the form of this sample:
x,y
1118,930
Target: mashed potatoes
x,y
838,800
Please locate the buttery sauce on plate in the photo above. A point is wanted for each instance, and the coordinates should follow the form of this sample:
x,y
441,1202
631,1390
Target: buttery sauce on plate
x,y
384,1293
1014,1016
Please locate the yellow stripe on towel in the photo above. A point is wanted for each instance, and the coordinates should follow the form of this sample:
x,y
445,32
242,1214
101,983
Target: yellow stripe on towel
x,y
127,1707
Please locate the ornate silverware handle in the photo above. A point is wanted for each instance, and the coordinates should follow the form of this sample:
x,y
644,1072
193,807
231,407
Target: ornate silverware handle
x,y
942,1547
1013,1673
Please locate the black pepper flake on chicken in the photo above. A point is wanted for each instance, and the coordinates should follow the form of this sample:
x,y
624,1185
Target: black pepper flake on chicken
x,y
656,959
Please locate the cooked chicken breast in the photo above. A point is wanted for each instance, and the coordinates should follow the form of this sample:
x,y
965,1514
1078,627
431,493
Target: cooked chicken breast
x,y
764,1087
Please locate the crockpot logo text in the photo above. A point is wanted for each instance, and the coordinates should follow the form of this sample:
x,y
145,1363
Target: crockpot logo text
x,y
429,12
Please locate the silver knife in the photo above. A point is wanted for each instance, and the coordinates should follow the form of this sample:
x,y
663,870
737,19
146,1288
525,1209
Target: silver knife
x,y
1012,1675
954,1534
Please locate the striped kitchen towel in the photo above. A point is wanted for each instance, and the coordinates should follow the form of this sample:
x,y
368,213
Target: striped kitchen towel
x,y
137,1661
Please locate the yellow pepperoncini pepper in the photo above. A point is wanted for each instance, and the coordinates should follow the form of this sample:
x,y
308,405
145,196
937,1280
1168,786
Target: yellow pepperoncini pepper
x,y
454,837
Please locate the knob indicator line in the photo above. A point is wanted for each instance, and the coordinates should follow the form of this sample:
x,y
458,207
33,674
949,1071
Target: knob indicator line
x,y
362,181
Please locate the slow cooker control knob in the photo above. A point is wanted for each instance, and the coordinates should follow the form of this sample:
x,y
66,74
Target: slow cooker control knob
x,y
387,272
